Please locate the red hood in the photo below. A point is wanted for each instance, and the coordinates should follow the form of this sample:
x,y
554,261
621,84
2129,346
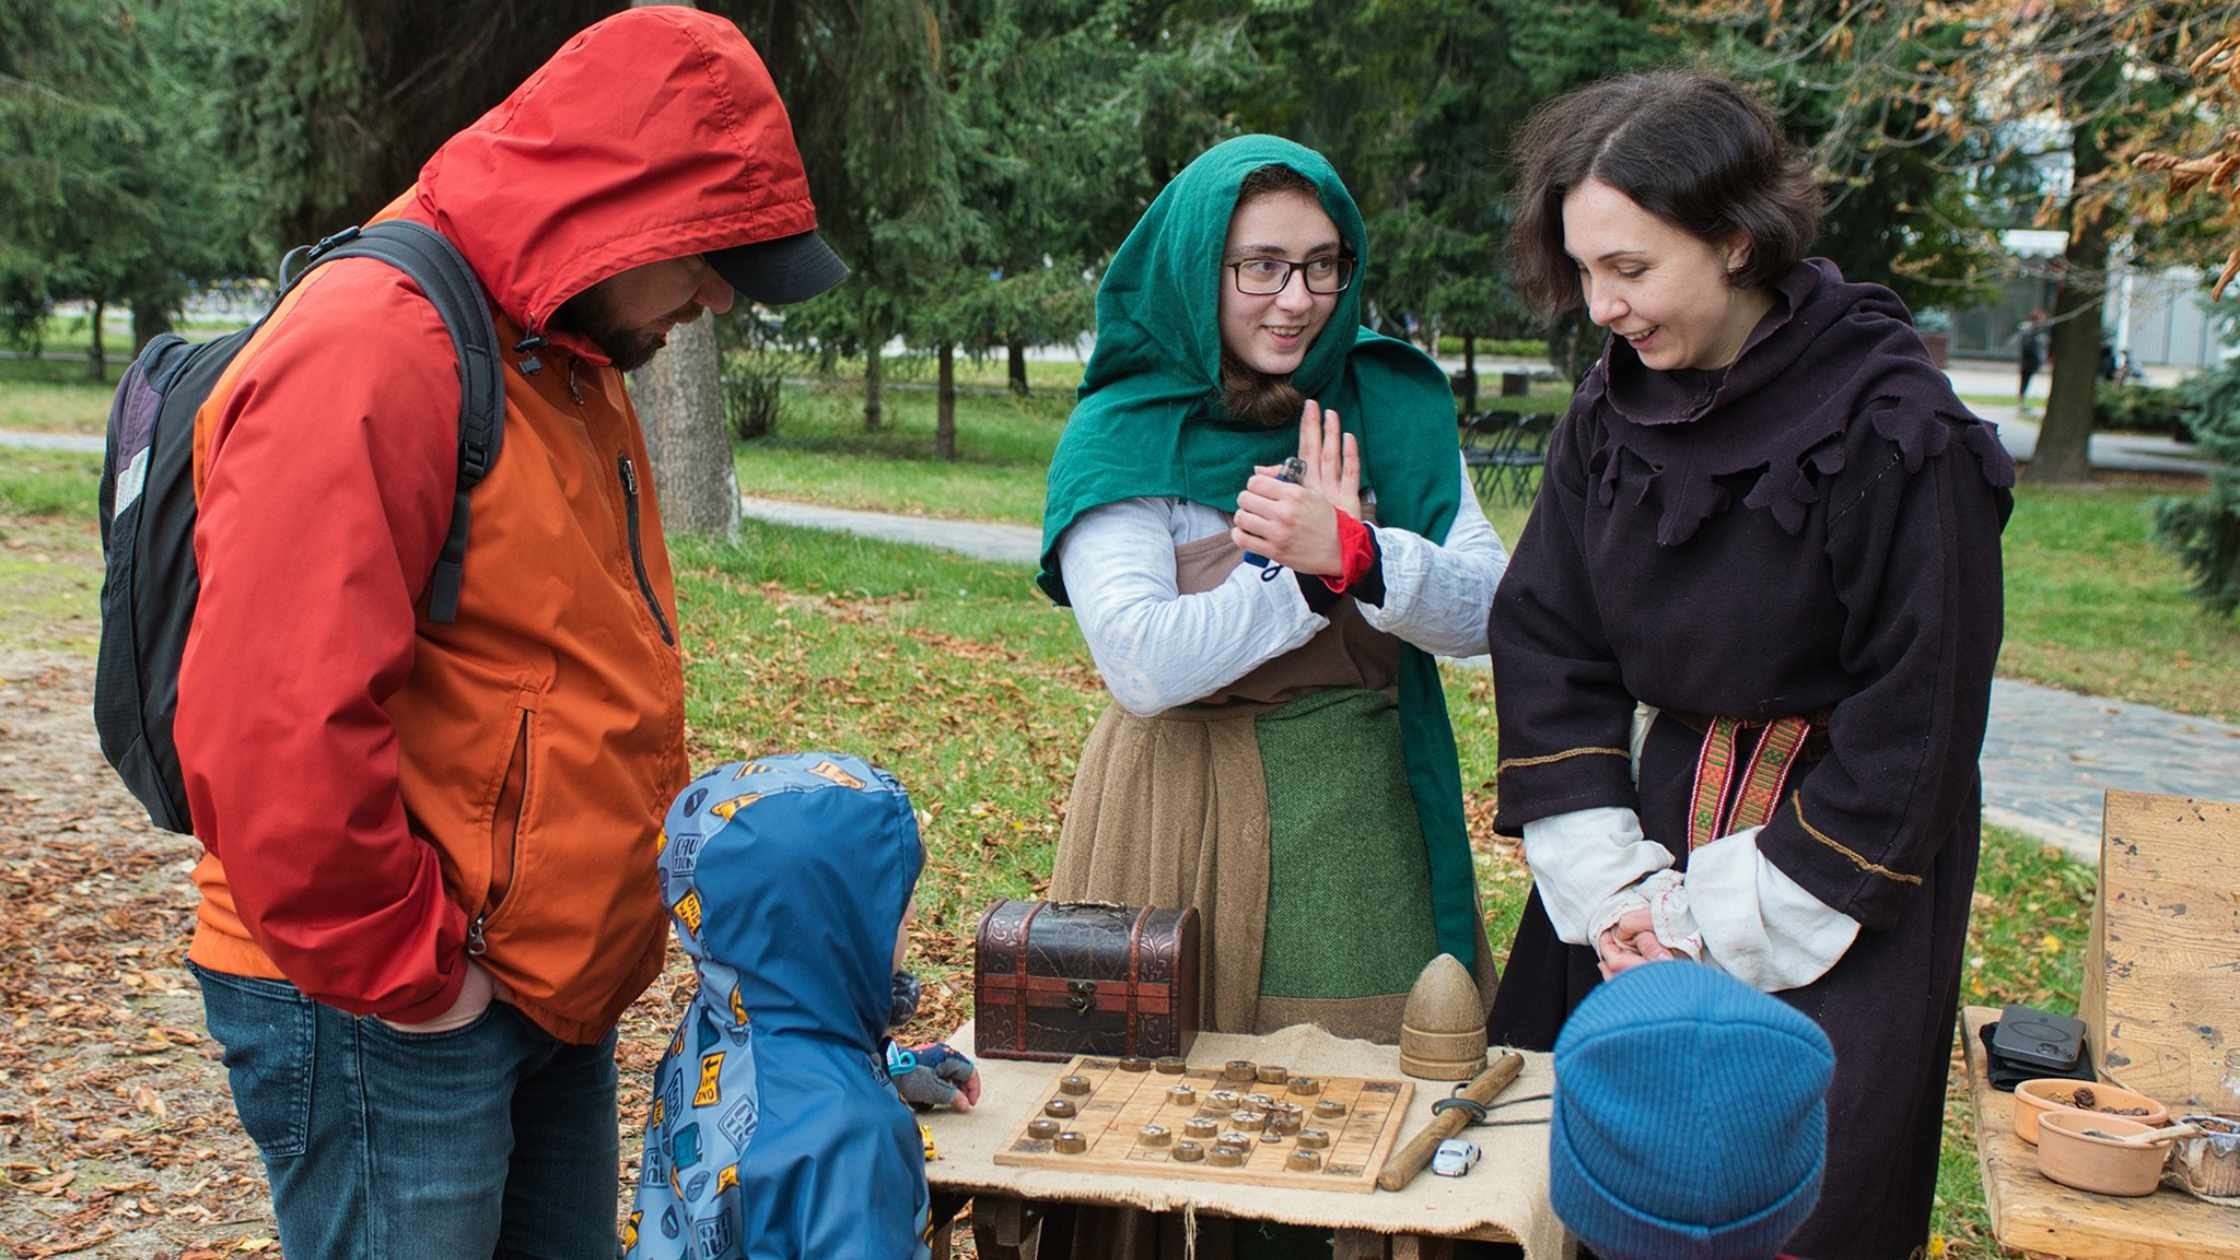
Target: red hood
x,y
653,134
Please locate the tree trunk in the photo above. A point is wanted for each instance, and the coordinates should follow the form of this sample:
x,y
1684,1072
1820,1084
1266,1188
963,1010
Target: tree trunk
x,y
97,358
679,397
2063,438
1470,374
150,320
1018,351
945,410
874,352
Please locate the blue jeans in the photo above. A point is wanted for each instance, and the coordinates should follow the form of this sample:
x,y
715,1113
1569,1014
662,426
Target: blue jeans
x,y
491,1140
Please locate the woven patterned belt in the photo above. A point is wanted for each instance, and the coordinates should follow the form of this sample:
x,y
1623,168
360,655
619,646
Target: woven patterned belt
x,y
1784,742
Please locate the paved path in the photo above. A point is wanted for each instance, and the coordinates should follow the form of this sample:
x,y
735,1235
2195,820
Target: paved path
x,y
2049,755
2046,760
982,540
55,441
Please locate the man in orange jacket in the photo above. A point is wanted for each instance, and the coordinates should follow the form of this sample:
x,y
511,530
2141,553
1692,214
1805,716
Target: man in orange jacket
x,y
428,892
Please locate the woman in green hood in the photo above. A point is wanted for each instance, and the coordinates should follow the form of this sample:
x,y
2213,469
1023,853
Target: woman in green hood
x,y
1278,753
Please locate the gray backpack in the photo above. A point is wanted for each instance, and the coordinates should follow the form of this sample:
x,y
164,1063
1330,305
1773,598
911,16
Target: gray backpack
x,y
148,508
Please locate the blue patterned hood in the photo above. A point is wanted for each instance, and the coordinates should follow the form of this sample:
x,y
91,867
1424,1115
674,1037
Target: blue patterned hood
x,y
773,1130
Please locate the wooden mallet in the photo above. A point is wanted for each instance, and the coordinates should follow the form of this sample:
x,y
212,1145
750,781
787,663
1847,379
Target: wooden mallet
x,y
1409,1160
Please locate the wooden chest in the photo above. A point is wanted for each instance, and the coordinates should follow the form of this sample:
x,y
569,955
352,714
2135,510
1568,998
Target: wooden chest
x,y
1055,979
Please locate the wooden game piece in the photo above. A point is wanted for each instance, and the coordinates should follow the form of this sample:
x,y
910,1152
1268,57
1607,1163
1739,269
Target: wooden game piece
x,y
1062,1108
1132,1125
1328,1109
1226,1155
1305,1086
1171,1065
1410,1159
1270,1074
1303,1161
1226,1099
1240,1070
1071,1143
1135,1063
1443,1025
1075,1085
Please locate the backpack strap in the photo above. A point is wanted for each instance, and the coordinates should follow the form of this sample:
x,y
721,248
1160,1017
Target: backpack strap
x,y
450,284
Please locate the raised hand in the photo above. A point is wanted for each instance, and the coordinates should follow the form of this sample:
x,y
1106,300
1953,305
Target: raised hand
x,y
1332,457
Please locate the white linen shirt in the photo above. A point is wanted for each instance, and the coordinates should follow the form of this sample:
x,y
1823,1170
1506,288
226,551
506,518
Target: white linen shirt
x,y
1157,648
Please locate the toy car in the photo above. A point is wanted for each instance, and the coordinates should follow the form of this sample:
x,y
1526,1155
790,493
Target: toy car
x,y
1454,1157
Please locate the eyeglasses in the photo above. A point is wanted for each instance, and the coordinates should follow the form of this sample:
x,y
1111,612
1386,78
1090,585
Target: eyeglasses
x,y
1263,276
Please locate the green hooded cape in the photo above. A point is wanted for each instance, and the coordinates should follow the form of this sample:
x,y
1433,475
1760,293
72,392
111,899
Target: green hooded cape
x,y
1149,423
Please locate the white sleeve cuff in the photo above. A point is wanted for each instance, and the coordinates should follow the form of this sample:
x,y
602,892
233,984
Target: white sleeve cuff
x,y
1437,596
1154,646
1581,859
1758,925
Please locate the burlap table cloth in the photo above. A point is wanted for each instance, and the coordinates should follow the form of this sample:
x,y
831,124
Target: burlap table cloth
x,y
1504,1198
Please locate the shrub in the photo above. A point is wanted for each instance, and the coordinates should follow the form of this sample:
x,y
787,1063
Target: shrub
x,y
756,362
752,383
1450,345
2139,409
2205,531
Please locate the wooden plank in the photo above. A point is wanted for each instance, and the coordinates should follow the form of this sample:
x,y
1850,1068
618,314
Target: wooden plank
x,y
2030,1213
1357,1244
1121,1102
2162,981
1005,1228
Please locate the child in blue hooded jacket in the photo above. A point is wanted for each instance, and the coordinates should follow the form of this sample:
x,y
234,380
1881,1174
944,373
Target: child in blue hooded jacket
x,y
774,1129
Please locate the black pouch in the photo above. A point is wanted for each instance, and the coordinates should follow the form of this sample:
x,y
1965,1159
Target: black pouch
x,y
2036,1044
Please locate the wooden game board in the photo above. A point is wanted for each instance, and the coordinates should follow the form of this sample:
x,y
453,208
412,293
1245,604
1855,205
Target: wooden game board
x,y
1121,1102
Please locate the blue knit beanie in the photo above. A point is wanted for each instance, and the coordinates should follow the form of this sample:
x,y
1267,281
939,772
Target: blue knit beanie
x,y
1691,1117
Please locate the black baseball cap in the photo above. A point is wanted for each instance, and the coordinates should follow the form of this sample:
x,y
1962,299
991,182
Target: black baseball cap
x,y
787,269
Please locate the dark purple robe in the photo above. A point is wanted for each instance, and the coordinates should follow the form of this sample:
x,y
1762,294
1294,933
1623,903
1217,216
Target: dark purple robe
x,y
1814,528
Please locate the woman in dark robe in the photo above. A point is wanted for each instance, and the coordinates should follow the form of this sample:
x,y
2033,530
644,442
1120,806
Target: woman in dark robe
x,y
1743,653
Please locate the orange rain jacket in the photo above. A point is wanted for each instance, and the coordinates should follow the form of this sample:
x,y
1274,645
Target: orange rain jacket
x,y
379,795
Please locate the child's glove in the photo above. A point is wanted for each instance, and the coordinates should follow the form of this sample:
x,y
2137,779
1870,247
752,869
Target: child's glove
x,y
934,1076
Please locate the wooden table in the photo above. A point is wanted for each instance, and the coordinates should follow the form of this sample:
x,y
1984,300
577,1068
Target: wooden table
x,y
1504,1200
2045,1218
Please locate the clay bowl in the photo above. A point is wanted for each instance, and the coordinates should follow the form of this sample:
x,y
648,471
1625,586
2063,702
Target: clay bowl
x,y
2066,1155
2207,1165
2034,1098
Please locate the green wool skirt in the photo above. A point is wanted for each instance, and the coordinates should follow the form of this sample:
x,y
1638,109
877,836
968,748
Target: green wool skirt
x,y
1293,832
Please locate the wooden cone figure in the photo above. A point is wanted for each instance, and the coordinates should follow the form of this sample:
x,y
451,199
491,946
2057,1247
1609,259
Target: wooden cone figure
x,y
1443,1026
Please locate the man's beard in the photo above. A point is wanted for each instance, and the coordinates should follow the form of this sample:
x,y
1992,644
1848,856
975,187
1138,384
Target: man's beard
x,y
588,315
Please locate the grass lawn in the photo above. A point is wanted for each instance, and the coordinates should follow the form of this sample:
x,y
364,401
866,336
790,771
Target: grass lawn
x,y
2093,603
55,396
961,679
821,453
50,551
